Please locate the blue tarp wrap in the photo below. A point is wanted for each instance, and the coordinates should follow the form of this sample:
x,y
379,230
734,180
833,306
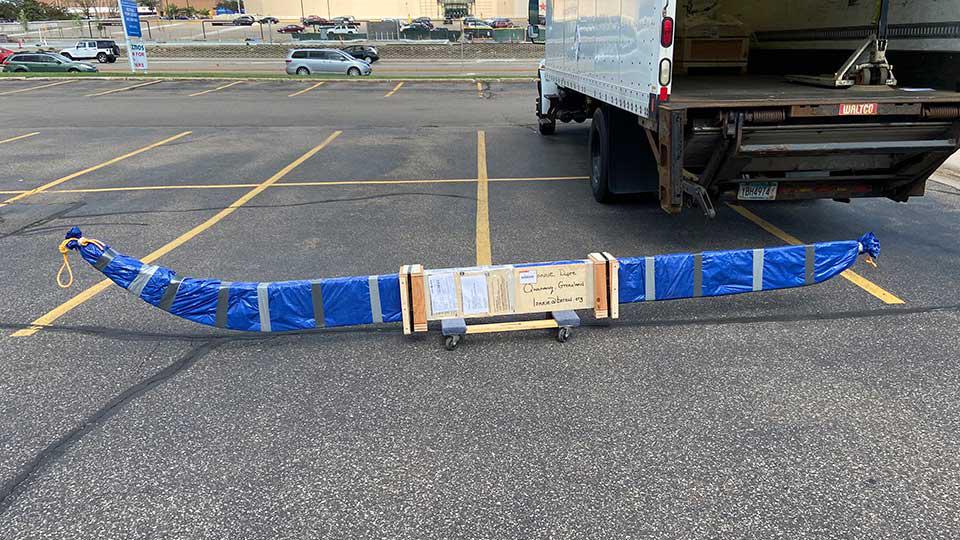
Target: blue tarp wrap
x,y
348,301
196,300
632,279
390,298
122,270
243,310
674,276
727,272
153,291
732,272
291,306
784,268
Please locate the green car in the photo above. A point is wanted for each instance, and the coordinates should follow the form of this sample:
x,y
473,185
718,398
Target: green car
x,y
45,62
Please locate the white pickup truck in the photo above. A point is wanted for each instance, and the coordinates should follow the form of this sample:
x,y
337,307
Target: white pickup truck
x,y
341,30
101,50
722,100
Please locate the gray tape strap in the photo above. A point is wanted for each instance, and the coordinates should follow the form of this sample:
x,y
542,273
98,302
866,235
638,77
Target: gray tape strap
x,y
143,277
758,270
223,302
375,299
697,276
316,294
263,306
650,281
166,301
810,259
105,259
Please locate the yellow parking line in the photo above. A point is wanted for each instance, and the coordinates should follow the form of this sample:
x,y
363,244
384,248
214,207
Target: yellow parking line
x,y
305,90
849,275
394,91
92,169
484,252
124,89
34,88
11,139
69,305
304,184
234,83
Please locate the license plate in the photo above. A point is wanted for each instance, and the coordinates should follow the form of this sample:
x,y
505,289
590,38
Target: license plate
x,y
859,109
758,191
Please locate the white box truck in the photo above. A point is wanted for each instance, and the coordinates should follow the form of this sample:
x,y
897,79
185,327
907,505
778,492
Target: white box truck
x,y
701,101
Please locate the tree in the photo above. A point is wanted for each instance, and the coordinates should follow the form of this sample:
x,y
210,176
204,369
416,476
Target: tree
x,y
232,5
149,4
31,10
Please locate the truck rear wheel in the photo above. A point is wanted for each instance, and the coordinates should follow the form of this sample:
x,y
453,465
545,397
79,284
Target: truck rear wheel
x,y
547,126
600,158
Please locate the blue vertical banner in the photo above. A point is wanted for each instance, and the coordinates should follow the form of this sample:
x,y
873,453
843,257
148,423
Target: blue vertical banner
x,y
131,18
136,51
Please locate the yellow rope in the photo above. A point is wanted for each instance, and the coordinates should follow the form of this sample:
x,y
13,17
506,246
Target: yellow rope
x,y
66,262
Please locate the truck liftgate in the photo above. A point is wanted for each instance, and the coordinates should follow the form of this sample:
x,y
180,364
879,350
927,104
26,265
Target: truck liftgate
x,y
700,137
870,144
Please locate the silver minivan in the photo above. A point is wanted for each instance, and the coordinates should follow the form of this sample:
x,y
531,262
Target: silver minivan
x,y
307,61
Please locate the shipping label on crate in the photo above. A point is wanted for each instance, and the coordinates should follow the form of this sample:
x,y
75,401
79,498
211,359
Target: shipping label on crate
x,y
506,290
554,288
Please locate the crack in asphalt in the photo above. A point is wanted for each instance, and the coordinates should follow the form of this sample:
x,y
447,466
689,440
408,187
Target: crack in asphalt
x,y
256,206
56,449
44,220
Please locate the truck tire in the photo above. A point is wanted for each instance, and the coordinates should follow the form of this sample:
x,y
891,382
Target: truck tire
x,y
600,157
102,58
546,126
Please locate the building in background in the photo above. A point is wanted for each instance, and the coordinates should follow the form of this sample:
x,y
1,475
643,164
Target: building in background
x,y
384,9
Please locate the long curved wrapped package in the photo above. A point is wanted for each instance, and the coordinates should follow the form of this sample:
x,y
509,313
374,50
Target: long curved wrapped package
x,y
350,301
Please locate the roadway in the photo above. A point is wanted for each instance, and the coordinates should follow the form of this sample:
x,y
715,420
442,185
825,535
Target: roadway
x,y
823,412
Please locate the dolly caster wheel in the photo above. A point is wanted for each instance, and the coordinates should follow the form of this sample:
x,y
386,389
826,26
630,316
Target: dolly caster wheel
x,y
451,343
563,334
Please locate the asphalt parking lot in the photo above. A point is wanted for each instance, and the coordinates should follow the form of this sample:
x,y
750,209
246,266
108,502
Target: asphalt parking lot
x,y
824,412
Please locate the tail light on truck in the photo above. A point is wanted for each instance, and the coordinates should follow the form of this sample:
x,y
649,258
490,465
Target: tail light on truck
x,y
666,32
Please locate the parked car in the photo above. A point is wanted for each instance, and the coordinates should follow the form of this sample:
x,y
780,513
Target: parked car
x,y
269,20
4,53
341,30
348,21
103,50
426,21
45,62
244,20
501,23
363,52
309,61
314,20
415,26
476,25
291,29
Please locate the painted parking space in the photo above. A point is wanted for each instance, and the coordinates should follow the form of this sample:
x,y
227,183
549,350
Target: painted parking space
x,y
819,389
